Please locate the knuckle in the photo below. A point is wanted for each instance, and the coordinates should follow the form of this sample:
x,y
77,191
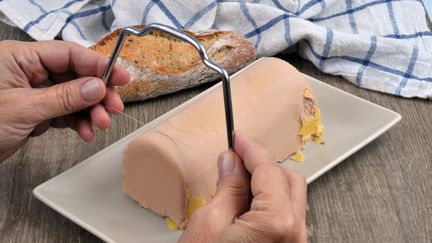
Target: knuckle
x,y
211,215
206,220
275,230
284,230
204,215
301,179
235,186
241,231
270,167
65,97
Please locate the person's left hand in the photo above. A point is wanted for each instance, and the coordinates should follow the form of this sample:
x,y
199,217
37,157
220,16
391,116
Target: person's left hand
x,y
50,84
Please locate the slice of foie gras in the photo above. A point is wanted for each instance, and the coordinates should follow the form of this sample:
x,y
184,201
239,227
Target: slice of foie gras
x,y
172,169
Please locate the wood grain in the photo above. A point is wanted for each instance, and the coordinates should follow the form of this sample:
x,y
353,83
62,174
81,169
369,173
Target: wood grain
x,y
380,194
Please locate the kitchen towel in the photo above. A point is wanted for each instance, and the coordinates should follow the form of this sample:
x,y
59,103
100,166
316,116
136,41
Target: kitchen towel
x,y
382,45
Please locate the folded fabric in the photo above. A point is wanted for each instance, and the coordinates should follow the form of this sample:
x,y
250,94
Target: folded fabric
x,y
382,45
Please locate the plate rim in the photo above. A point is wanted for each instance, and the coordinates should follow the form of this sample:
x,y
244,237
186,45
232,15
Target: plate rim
x,y
67,214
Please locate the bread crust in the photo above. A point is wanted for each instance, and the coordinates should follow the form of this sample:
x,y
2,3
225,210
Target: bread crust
x,y
160,63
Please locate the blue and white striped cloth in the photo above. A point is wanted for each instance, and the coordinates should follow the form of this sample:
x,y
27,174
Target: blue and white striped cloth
x,y
382,45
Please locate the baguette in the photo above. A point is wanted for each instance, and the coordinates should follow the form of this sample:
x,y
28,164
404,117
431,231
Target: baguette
x,y
159,63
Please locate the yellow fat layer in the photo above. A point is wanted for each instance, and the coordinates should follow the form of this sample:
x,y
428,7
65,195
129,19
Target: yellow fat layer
x,y
298,157
312,126
194,204
171,224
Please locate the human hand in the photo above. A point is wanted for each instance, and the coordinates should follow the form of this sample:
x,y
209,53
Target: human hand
x,y
277,212
50,84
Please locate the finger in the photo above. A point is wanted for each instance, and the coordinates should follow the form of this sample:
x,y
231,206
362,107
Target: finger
x,y
270,188
85,130
65,98
230,200
100,117
25,60
79,122
112,101
233,187
269,185
62,56
119,76
298,191
250,152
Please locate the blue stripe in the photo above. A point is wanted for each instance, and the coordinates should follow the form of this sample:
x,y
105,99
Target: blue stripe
x,y
113,3
40,18
74,24
366,61
146,12
359,8
392,18
87,13
298,6
279,5
327,48
409,36
38,5
351,17
201,13
105,21
307,6
371,64
268,25
79,30
323,4
409,70
288,32
104,16
168,13
251,20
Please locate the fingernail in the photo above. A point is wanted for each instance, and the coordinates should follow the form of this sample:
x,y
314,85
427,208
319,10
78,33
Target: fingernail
x,y
90,90
226,164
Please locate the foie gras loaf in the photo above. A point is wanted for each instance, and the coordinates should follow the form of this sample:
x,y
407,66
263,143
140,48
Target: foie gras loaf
x,y
172,169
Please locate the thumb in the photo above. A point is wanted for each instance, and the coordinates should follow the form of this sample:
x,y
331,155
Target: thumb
x,y
232,196
208,223
67,97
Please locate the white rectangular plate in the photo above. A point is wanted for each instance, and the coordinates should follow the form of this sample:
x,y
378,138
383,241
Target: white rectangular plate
x,y
90,193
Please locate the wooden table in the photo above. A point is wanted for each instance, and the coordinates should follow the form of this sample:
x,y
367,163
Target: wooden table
x,y
383,193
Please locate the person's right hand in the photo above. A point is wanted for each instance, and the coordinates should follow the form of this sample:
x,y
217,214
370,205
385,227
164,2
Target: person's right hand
x,y
277,212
